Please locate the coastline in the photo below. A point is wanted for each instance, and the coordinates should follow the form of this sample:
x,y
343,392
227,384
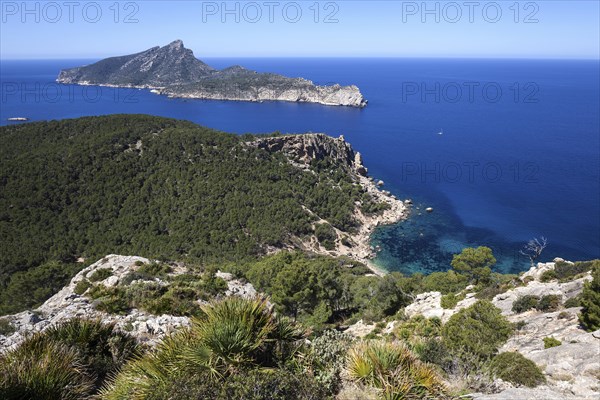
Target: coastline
x,y
359,102
362,250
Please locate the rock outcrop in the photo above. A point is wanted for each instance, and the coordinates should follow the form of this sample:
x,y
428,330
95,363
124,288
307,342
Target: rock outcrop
x,y
173,71
67,304
572,369
301,150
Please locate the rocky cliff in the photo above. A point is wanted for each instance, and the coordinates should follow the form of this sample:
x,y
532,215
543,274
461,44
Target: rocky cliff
x,y
301,151
173,70
572,369
72,302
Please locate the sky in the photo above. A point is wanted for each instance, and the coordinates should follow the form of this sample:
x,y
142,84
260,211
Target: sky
x,y
464,28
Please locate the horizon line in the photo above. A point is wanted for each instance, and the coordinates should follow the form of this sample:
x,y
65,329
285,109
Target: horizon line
x,y
549,58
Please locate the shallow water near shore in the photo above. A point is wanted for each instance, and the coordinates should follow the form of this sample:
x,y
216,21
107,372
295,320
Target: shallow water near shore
x,y
518,156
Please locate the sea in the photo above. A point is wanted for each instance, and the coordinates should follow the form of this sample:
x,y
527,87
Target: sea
x,y
503,151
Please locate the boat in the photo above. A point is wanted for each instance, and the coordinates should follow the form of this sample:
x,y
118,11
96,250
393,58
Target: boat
x,y
441,132
18,119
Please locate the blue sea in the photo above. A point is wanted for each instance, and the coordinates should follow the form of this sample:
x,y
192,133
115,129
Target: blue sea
x,y
502,150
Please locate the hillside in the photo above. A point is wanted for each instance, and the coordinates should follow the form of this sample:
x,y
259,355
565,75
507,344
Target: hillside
x,y
79,189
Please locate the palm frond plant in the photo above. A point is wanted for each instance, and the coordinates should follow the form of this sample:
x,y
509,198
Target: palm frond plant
x,y
394,370
232,335
44,370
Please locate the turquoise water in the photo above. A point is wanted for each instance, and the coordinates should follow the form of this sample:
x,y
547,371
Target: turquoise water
x,y
519,155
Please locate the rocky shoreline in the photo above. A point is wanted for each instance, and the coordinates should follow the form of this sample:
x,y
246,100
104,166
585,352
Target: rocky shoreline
x,y
301,150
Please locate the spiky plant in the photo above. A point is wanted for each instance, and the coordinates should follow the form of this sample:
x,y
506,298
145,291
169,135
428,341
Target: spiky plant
x,y
44,370
232,335
394,370
101,347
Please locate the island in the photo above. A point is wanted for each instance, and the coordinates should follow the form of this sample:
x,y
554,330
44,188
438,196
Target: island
x,y
174,71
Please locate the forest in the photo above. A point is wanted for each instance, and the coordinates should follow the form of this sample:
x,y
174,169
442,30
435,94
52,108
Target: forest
x,y
154,187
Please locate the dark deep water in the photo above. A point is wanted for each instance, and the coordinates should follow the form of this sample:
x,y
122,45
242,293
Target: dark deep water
x,y
519,155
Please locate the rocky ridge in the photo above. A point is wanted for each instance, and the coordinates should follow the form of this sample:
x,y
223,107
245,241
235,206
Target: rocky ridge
x,y
172,70
301,150
572,369
67,304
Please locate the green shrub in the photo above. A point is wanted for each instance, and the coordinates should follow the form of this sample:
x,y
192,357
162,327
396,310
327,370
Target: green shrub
x,y
564,315
44,370
154,269
69,360
551,342
513,367
525,303
99,346
444,282
590,301
565,271
475,263
549,303
394,369
326,235
418,327
231,336
548,276
479,330
326,358
6,327
82,286
29,289
138,263
449,301
528,279
433,351
277,384
100,274
573,302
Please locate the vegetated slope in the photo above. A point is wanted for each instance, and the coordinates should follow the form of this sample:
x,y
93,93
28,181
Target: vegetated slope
x,y
159,188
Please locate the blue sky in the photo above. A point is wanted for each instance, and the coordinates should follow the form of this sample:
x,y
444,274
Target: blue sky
x,y
86,29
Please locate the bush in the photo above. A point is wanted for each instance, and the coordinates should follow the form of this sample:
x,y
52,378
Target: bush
x,y
45,370
548,276
277,384
100,274
590,301
573,302
82,286
6,327
326,235
29,289
444,282
565,271
549,303
232,335
525,303
513,367
394,369
326,358
154,270
418,327
451,300
551,342
479,330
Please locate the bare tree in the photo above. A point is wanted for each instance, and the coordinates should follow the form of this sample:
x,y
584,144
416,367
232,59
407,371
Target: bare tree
x,y
533,249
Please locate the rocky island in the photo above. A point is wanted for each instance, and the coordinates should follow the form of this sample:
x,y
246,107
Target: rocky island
x,y
174,71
